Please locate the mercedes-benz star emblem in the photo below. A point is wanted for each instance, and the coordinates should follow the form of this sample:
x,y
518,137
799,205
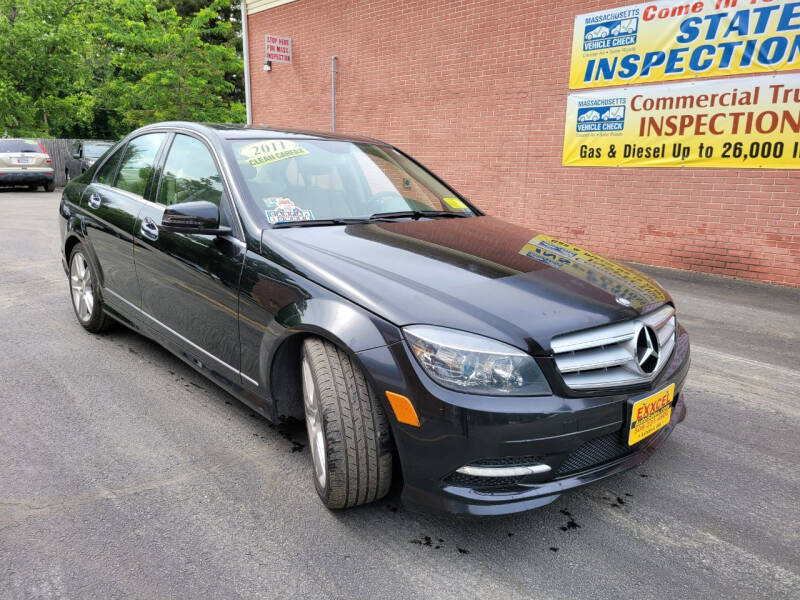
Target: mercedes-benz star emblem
x,y
647,349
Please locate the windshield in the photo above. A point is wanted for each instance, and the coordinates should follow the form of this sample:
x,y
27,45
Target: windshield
x,y
318,180
95,151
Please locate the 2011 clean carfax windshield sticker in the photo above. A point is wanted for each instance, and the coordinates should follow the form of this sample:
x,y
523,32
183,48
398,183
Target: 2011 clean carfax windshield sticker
x,y
266,152
684,39
750,122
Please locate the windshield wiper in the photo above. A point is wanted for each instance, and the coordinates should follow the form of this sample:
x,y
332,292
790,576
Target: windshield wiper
x,y
417,214
403,214
318,223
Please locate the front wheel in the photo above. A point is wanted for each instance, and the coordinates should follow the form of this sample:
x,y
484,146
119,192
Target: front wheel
x,y
348,431
84,290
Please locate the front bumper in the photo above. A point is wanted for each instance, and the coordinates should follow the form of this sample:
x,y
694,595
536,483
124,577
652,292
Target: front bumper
x,y
580,437
40,177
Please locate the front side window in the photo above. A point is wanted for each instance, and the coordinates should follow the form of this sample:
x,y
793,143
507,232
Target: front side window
x,y
137,163
300,180
190,174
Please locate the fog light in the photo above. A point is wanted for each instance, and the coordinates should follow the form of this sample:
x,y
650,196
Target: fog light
x,y
504,471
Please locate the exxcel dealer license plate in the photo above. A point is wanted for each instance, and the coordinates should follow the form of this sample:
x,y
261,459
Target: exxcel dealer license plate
x,y
650,414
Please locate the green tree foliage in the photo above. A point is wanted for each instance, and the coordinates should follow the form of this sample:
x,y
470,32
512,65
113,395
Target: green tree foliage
x,y
99,68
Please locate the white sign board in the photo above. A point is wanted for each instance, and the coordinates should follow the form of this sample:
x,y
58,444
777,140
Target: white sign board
x,y
279,49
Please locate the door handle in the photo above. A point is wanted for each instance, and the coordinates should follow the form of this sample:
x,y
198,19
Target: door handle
x,y
149,229
95,201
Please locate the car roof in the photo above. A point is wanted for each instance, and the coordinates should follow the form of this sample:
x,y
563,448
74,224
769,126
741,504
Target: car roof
x,y
230,131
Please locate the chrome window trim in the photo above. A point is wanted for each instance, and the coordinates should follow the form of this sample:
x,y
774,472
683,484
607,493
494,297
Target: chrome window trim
x,y
182,338
227,176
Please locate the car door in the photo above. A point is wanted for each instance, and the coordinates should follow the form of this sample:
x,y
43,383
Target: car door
x,y
189,282
112,202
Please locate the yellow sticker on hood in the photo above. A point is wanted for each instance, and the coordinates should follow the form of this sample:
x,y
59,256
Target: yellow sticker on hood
x,y
612,277
266,152
455,203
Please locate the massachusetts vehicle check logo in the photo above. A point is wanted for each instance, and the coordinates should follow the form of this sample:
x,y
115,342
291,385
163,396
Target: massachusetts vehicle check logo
x,y
601,118
610,33
647,349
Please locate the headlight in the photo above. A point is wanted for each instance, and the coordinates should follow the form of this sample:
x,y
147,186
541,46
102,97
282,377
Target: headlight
x,y
475,364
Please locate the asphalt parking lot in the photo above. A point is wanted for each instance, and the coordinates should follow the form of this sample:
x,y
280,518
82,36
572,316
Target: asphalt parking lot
x,y
124,474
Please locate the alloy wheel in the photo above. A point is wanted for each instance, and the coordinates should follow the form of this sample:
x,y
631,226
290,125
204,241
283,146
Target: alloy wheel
x,y
80,280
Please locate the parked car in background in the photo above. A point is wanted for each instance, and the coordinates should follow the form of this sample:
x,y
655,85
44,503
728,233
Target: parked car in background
x,y
83,155
25,162
334,279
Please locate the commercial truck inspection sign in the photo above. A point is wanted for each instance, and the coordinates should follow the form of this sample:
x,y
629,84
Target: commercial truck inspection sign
x,y
684,39
749,122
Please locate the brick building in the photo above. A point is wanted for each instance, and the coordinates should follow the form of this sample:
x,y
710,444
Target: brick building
x,y
476,90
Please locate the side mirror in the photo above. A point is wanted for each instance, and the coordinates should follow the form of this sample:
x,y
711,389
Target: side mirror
x,y
193,217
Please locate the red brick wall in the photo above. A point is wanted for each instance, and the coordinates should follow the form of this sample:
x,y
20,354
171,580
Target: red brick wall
x,y
476,90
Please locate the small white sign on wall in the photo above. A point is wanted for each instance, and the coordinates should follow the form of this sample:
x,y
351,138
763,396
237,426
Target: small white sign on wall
x,y
279,49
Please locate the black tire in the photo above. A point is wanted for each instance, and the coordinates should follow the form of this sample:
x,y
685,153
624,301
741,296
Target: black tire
x,y
356,440
92,318
50,186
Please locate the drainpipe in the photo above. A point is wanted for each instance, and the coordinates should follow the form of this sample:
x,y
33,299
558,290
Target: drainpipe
x,y
333,93
246,55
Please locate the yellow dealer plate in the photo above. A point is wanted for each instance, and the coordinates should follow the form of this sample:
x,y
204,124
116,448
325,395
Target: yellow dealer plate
x,y
650,414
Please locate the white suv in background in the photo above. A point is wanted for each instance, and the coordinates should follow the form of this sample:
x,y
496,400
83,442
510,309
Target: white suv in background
x,y
25,162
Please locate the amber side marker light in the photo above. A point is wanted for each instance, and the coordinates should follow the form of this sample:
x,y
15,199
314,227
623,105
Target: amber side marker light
x,y
403,409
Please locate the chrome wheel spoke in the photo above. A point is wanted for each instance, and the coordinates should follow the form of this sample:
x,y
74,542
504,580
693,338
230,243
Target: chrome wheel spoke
x,y
80,263
316,435
88,300
82,307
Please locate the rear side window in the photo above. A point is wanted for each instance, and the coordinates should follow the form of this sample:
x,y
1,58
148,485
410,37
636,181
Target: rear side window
x,y
137,163
106,174
20,146
190,174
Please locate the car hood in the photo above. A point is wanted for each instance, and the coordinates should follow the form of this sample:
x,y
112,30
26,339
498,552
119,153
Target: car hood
x,y
478,274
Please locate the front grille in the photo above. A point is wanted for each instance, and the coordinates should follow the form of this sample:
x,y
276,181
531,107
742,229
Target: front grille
x,y
606,356
472,481
593,453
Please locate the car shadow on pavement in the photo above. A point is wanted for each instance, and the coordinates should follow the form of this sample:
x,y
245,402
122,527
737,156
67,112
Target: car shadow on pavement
x,y
552,527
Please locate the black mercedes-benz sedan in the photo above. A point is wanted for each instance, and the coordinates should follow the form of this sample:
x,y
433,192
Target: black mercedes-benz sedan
x,y
334,279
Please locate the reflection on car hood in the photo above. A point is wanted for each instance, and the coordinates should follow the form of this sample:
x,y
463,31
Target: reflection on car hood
x,y
477,274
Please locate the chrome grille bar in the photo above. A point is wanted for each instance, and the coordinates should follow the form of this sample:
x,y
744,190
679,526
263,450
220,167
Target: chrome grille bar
x,y
604,357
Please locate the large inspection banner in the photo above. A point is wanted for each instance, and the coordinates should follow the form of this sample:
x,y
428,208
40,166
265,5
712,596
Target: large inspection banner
x,y
684,39
748,122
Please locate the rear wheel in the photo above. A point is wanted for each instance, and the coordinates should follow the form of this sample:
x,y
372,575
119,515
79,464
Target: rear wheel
x,y
84,291
50,186
348,431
